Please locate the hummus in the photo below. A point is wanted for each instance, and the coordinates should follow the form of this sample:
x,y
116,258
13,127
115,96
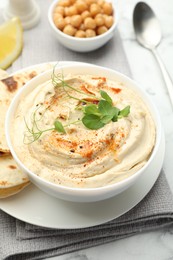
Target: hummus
x,y
82,157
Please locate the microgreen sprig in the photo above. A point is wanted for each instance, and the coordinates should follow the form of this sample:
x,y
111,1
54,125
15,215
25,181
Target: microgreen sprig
x,y
58,81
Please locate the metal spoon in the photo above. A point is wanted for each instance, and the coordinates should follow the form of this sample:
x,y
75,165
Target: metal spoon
x,y
148,34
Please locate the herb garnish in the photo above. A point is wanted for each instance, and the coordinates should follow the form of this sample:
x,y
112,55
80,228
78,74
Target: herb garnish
x,y
95,116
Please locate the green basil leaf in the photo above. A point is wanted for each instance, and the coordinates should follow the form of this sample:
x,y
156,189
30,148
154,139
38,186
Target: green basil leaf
x,y
106,96
59,127
91,109
92,122
124,112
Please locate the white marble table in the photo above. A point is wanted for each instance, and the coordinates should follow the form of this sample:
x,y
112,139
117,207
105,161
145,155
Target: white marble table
x,y
157,245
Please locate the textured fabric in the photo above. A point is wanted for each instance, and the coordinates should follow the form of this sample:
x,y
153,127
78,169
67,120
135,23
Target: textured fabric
x,y
32,242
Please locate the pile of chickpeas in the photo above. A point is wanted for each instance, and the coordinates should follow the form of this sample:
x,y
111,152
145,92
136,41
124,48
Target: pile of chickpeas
x,y
83,18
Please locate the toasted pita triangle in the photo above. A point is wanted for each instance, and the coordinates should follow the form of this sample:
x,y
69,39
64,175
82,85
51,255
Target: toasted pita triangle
x,y
8,88
12,180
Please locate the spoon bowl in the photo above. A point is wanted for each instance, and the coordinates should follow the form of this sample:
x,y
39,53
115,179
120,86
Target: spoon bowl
x,y
148,34
146,26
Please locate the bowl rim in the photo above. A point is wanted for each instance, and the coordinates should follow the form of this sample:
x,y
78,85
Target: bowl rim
x,y
147,100
77,39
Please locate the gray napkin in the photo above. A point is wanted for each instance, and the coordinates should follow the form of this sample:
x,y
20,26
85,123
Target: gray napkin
x,y
154,211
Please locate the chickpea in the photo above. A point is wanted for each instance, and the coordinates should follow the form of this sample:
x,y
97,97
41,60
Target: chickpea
x,y
66,11
67,19
81,6
101,30
107,8
90,33
99,19
89,23
82,27
76,20
72,10
95,9
89,2
64,3
80,34
85,14
109,20
56,16
72,1
60,23
100,2
60,10
69,29
104,16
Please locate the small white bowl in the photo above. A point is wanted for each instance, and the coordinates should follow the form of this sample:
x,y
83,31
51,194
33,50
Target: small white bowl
x,y
153,164
81,44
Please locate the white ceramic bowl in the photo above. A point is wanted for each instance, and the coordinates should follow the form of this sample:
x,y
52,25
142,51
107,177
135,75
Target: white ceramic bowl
x,y
81,44
153,164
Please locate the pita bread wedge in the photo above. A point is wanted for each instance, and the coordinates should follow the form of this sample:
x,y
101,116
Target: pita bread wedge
x,y
12,180
8,88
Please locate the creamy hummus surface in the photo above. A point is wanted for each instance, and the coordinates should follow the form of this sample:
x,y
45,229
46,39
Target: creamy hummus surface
x,y
82,157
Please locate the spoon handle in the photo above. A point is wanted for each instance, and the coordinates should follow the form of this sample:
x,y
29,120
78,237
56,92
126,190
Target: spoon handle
x,y
166,76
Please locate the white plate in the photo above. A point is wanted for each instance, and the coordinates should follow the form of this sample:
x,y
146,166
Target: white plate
x,y
35,207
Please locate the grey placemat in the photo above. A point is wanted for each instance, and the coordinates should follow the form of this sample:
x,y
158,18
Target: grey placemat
x,y
19,240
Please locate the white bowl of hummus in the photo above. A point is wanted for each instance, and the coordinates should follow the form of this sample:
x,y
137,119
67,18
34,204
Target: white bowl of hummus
x,y
84,133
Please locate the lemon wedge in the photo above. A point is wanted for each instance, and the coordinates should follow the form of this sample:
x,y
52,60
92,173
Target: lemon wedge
x,y
11,39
